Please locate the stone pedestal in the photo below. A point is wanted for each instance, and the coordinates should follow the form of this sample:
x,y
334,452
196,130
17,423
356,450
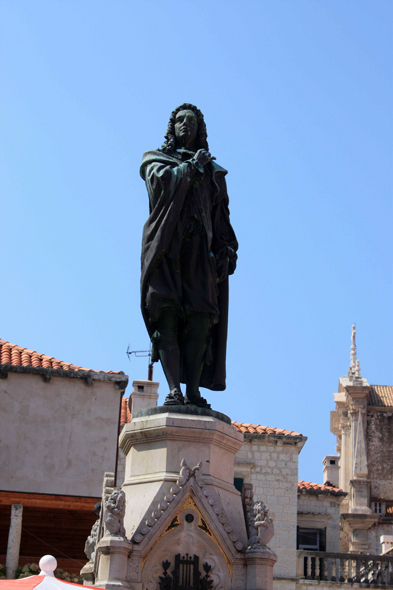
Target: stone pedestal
x,y
184,520
260,569
87,574
113,560
155,446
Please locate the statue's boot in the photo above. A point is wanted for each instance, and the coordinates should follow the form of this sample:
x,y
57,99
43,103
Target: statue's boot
x,y
168,349
194,350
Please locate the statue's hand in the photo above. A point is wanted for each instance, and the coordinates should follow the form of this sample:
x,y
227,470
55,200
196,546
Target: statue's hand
x,y
222,269
203,157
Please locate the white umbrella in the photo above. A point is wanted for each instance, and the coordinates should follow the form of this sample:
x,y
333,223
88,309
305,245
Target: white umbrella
x,y
44,581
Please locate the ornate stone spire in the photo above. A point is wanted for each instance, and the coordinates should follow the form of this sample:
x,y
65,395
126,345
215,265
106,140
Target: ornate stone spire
x,y
354,367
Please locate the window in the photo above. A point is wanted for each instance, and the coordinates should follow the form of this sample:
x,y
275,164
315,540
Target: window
x,y
378,507
238,483
311,539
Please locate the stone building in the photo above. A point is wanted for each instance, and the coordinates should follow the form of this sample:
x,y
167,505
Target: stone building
x,y
59,430
363,424
269,459
318,516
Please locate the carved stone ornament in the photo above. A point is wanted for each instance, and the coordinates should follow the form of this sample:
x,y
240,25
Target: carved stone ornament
x,y
186,574
239,578
115,508
185,475
248,502
261,529
91,541
192,539
134,569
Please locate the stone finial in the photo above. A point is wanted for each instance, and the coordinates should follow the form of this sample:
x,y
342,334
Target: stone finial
x,y
115,509
354,367
47,565
262,528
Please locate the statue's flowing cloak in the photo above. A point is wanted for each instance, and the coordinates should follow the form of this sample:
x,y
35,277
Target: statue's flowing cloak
x,y
168,181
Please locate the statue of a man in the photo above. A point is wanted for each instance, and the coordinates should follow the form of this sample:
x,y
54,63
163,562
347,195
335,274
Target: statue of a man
x,y
188,251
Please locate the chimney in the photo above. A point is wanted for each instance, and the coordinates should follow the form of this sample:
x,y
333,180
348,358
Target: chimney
x,y
386,542
331,470
144,395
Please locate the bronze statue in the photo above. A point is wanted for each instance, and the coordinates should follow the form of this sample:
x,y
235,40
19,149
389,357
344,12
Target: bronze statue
x,y
188,251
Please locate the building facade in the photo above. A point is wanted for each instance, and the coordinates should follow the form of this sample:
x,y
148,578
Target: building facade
x,y
59,430
363,424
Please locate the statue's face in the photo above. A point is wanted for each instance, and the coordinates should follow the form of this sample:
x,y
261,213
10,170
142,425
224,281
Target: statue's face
x,y
186,128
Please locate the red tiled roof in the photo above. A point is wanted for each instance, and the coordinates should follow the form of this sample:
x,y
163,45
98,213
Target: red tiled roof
x,y
381,395
317,487
15,355
125,414
258,429
125,417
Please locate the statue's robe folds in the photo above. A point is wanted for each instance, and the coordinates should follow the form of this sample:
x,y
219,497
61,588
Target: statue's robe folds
x,y
173,195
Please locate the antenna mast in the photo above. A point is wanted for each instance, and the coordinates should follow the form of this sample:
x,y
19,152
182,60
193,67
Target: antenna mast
x,y
140,354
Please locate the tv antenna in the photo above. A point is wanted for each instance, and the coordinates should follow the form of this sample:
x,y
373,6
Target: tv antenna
x,y
141,354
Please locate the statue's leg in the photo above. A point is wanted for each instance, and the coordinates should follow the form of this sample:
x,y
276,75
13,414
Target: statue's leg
x,y
169,352
194,349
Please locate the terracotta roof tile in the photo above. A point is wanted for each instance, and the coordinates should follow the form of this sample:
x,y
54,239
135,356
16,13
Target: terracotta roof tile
x,y
317,487
381,395
18,356
258,429
125,417
125,414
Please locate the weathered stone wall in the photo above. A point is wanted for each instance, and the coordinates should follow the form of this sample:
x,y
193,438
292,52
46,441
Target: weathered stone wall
x,y
271,465
283,584
375,533
379,453
319,511
58,437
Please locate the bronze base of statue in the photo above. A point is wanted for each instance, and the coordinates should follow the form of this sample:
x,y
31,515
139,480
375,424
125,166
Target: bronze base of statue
x,y
176,398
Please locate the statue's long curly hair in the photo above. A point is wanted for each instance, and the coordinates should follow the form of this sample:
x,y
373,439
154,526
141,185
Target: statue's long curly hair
x,y
170,139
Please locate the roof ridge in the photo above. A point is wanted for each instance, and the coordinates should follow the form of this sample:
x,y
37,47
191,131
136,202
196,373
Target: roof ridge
x,y
16,355
309,485
248,428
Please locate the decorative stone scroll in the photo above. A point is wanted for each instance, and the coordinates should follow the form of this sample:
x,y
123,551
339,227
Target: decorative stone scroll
x,y
261,528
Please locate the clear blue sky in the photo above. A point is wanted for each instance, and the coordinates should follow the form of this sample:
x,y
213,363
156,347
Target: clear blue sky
x,y
297,97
